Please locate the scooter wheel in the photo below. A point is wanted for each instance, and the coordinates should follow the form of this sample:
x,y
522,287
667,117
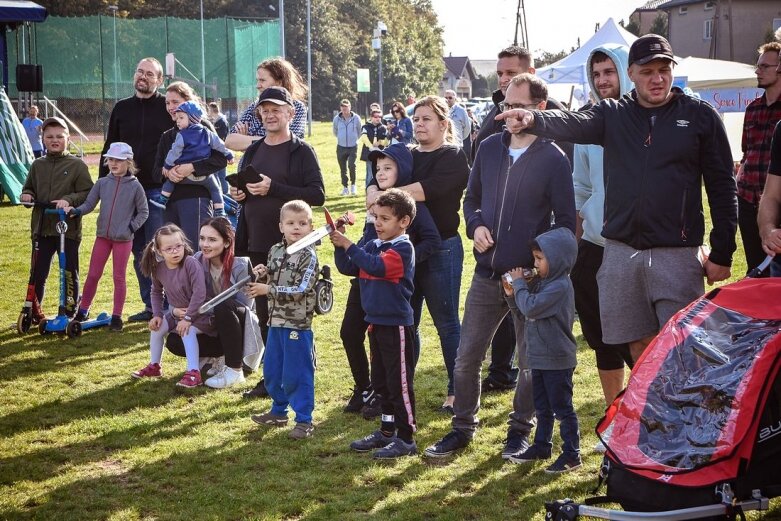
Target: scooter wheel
x,y
324,297
42,327
74,329
23,323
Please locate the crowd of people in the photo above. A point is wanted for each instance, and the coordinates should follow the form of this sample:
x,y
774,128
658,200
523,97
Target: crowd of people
x,y
598,211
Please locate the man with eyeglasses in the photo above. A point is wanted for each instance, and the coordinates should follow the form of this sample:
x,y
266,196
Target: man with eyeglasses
x,y
517,183
659,147
139,121
462,125
761,117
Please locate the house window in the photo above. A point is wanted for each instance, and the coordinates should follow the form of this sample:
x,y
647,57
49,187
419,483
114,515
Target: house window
x,y
683,10
707,30
709,5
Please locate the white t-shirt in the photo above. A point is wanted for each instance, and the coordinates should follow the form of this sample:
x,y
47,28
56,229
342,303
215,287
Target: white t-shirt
x,y
515,153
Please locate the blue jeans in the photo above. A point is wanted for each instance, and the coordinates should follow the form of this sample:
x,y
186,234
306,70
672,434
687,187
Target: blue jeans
x,y
438,282
220,175
553,395
289,371
188,214
141,238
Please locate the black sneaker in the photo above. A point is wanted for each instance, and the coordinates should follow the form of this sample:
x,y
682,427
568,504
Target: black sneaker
x,y
359,399
81,316
259,391
564,463
396,449
515,443
534,453
373,407
491,385
453,441
116,324
375,440
141,316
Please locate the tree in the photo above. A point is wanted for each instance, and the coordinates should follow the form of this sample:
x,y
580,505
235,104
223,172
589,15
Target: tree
x,y
548,57
633,28
660,25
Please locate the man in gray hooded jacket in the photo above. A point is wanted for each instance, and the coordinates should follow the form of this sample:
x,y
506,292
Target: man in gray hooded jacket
x,y
606,68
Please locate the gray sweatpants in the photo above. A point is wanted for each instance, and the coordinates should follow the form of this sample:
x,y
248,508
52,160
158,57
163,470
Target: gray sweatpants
x,y
485,308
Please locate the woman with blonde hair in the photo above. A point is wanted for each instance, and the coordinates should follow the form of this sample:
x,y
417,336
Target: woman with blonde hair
x,y
274,72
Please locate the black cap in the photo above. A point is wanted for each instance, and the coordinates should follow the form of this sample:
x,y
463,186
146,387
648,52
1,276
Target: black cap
x,y
650,47
276,95
54,120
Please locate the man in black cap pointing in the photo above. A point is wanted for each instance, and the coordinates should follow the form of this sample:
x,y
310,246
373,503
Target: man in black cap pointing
x,y
660,145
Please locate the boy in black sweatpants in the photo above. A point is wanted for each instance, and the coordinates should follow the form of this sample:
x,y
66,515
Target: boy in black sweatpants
x,y
385,268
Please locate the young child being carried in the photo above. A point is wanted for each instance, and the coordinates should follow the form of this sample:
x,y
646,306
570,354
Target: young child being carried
x,y
63,180
168,260
386,268
548,302
289,362
193,143
392,167
123,210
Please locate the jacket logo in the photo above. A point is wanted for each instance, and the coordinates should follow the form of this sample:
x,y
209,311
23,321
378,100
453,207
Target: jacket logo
x,y
682,123
769,432
294,335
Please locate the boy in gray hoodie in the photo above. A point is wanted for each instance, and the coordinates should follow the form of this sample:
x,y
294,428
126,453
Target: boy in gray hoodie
x,y
547,300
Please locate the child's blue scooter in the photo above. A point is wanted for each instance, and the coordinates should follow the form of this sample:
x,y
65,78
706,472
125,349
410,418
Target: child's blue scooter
x,y
61,323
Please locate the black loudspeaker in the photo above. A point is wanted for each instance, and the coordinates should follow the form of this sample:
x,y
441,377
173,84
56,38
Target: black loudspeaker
x,y
29,77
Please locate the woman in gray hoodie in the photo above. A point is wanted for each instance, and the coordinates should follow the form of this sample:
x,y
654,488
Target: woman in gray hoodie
x,y
123,210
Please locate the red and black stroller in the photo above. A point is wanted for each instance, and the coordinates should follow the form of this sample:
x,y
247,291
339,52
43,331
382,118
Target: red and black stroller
x,y
697,432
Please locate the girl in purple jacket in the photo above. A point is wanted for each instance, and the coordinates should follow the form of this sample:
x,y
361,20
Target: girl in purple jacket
x,y
169,262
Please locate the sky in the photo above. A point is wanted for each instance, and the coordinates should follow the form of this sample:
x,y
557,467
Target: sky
x,y
480,29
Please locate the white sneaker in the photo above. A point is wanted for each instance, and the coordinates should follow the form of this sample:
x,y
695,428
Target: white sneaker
x,y
227,377
353,191
217,365
345,191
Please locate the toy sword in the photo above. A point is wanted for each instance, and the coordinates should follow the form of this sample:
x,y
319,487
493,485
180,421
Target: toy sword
x,y
225,295
313,237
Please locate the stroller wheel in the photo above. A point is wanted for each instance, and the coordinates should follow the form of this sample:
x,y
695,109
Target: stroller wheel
x,y
324,297
42,327
74,329
23,323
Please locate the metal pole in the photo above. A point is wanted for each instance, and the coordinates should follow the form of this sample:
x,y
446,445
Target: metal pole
x,y
379,51
309,65
203,58
113,9
102,77
282,28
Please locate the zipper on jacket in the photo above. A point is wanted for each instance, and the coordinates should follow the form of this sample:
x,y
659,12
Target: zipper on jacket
x,y
113,201
683,214
501,209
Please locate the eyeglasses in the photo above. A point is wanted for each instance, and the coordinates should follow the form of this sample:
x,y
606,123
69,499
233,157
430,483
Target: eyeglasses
x,y
147,74
504,107
764,66
173,249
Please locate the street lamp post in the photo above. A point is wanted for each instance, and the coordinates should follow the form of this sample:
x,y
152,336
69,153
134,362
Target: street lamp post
x,y
309,64
380,31
114,9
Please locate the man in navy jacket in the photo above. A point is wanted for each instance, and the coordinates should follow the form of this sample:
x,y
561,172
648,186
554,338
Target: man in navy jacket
x,y
520,186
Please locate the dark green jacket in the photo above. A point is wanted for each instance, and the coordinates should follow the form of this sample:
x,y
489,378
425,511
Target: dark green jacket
x,y
57,177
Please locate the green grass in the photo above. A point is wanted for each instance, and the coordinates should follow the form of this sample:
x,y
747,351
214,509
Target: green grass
x,y
79,439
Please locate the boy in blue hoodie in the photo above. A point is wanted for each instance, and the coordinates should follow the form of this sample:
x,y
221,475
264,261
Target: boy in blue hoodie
x,y
393,167
548,303
385,268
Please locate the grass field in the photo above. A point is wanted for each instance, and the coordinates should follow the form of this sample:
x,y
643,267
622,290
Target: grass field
x,y
80,439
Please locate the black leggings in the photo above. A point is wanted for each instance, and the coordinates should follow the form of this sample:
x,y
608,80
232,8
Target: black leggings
x,y
229,341
353,332
49,247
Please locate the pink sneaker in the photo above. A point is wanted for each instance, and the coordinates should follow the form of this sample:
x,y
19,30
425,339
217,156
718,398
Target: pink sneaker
x,y
191,379
150,371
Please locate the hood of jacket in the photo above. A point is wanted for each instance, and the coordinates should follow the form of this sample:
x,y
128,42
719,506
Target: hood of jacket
x,y
561,249
403,158
620,56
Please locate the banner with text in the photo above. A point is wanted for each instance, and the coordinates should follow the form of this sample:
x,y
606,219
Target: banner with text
x,y
730,100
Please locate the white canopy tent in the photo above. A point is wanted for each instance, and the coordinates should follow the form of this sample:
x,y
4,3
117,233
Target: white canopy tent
x,y
703,73
572,68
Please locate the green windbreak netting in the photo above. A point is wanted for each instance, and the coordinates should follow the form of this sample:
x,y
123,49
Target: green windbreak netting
x,y
82,59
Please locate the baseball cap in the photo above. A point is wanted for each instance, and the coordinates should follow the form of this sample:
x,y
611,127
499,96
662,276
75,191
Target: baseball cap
x,y
193,111
650,47
54,120
119,150
276,95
